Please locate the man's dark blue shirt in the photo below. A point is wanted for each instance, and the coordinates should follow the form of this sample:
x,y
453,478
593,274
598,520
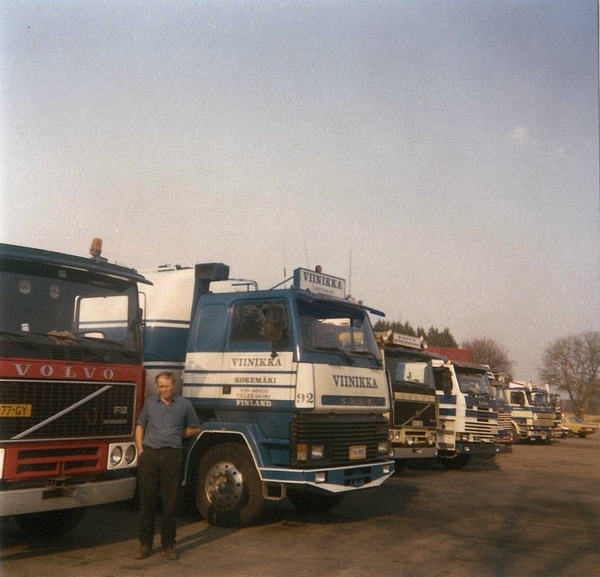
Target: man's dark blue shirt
x,y
164,424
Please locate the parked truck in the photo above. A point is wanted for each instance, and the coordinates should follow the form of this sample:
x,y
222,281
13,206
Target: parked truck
x,y
288,383
72,385
558,428
414,409
468,417
532,413
504,436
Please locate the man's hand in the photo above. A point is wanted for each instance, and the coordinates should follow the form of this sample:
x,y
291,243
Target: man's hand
x,y
190,432
139,437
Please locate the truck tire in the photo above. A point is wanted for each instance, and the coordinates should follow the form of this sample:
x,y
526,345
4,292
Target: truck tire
x,y
456,462
229,487
314,503
50,523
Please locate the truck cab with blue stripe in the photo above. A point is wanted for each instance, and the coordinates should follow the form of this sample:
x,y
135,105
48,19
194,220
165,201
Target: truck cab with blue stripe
x,y
468,416
291,392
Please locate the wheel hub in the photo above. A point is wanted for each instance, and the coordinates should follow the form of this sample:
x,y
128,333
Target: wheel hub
x,y
224,486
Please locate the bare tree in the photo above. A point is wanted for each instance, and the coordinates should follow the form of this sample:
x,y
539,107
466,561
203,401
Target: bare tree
x,y
572,364
489,352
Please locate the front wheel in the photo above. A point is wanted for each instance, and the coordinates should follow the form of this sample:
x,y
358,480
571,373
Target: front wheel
x,y
229,487
50,523
314,503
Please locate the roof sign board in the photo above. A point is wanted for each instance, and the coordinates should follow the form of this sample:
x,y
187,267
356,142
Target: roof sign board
x,y
407,341
317,282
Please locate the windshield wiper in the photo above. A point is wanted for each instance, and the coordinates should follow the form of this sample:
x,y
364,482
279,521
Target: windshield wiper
x,y
14,336
90,344
115,345
68,339
368,354
21,339
337,350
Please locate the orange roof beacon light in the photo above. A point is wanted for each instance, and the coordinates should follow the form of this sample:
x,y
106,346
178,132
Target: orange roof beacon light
x,y
96,248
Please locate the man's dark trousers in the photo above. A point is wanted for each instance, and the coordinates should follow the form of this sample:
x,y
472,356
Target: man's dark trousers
x,y
158,475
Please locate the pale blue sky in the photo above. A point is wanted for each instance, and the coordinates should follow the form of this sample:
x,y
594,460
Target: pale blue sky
x,y
448,149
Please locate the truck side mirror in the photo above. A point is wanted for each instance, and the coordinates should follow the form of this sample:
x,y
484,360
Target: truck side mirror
x,y
447,385
274,326
443,381
274,323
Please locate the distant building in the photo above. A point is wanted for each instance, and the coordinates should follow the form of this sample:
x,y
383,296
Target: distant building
x,y
460,355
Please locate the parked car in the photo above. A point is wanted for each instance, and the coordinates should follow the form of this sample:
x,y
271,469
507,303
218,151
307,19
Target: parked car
x,y
576,426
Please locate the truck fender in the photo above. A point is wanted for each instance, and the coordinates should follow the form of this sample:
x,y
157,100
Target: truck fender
x,y
216,433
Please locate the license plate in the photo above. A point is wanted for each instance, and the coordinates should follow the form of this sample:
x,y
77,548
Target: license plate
x,y
15,410
356,452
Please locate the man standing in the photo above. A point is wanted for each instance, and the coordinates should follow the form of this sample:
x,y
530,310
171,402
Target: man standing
x,y
166,419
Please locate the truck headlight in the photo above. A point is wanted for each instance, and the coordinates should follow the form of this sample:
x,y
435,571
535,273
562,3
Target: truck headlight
x,y
116,456
317,452
130,454
121,456
383,447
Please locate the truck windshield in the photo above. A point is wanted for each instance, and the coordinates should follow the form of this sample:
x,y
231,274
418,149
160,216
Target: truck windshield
x,y
409,372
50,312
474,383
332,327
538,398
498,393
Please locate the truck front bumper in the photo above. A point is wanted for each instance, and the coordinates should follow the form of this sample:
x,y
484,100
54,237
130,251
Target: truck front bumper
x,y
414,452
40,499
476,449
333,480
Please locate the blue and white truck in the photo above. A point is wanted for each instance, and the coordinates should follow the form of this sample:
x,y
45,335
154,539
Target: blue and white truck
x,y
289,385
532,412
468,416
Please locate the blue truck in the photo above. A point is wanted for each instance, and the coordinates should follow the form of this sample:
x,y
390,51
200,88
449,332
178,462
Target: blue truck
x,y
288,382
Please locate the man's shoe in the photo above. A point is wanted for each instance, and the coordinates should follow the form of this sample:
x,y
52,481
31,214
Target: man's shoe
x,y
171,554
142,553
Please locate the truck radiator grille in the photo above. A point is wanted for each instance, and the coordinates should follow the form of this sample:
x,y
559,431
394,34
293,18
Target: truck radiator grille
x,y
338,434
504,420
484,427
544,420
481,431
58,461
406,411
67,410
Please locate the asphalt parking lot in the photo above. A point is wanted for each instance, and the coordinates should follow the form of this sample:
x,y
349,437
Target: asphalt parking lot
x,y
535,512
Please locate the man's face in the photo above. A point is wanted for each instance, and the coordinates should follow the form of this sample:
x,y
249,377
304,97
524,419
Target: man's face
x,y
166,388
